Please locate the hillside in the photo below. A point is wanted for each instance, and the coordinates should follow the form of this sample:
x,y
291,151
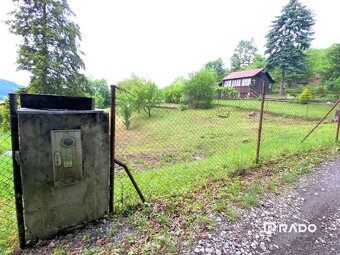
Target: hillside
x,y
7,87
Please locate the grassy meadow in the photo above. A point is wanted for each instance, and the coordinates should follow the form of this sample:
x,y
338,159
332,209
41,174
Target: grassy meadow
x,y
311,111
177,151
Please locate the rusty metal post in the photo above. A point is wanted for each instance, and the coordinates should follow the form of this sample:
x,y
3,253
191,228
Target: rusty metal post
x,y
13,107
112,147
131,179
260,123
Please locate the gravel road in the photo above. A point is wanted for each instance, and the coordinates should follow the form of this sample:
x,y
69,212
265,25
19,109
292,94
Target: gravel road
x,y
303,220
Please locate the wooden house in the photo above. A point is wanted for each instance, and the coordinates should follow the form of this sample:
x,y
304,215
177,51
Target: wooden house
x,y
248,83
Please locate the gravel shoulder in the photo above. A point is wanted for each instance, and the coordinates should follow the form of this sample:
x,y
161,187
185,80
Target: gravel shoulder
x,y
312,202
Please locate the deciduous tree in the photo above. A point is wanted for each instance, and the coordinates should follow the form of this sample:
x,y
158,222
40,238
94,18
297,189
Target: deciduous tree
x,y
332,71
144,93
199,90
100,90
174,92
216,66
244,55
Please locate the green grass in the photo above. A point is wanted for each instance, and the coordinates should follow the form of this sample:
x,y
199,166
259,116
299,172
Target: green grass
x,y
317,94
250,199
176,152
232,213
162,151
311,111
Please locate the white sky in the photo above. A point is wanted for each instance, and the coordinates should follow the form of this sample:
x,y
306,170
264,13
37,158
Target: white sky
x,y
165,39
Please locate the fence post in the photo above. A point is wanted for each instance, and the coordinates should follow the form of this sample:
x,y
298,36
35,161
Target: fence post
x,y
112,147
13,107
260,122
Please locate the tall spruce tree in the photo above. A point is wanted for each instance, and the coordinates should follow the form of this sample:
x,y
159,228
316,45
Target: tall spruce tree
x,y
49,48
290,35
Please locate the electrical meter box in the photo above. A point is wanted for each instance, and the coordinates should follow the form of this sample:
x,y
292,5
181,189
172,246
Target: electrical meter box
x,y
67,156
65,166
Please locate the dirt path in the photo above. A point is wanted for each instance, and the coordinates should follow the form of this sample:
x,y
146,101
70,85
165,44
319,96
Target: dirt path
x,y
313,199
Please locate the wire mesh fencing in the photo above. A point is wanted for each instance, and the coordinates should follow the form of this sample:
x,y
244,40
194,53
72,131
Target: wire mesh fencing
x,y
8,229
286,124
178,148
173,149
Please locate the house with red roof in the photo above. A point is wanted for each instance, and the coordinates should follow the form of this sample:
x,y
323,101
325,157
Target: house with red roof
x,y
248,83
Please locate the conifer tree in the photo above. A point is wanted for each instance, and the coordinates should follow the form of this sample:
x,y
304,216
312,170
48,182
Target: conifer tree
x,y
290,35
49,47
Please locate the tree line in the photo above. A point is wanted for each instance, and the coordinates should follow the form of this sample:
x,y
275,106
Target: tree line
x,y
50,50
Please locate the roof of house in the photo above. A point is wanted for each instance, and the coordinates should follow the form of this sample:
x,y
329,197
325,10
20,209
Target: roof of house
x,y
243,74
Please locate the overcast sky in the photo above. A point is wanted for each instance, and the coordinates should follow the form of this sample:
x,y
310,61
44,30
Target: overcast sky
x,y
165,39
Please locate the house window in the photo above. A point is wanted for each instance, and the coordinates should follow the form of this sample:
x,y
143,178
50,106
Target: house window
x,y
227,83
246,82
238,82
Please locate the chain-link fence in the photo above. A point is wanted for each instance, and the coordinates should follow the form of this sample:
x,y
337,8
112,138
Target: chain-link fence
x,y
8,229
177,148
286,124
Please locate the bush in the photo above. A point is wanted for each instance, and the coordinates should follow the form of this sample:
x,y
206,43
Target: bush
x,y
125,109
183,107
320,91
1,118
99,100
199,90
144,94
150,94
334,85
306,95
5,115
226,92
100,91
174,92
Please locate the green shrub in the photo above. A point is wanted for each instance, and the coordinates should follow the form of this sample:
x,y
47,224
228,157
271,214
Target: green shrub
x,y
226,92
99,89
306,95
334,96
199,90
320,91
5,115
99,100
150,94
1,118
125,109
174,92
144,94
183,107
334,85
